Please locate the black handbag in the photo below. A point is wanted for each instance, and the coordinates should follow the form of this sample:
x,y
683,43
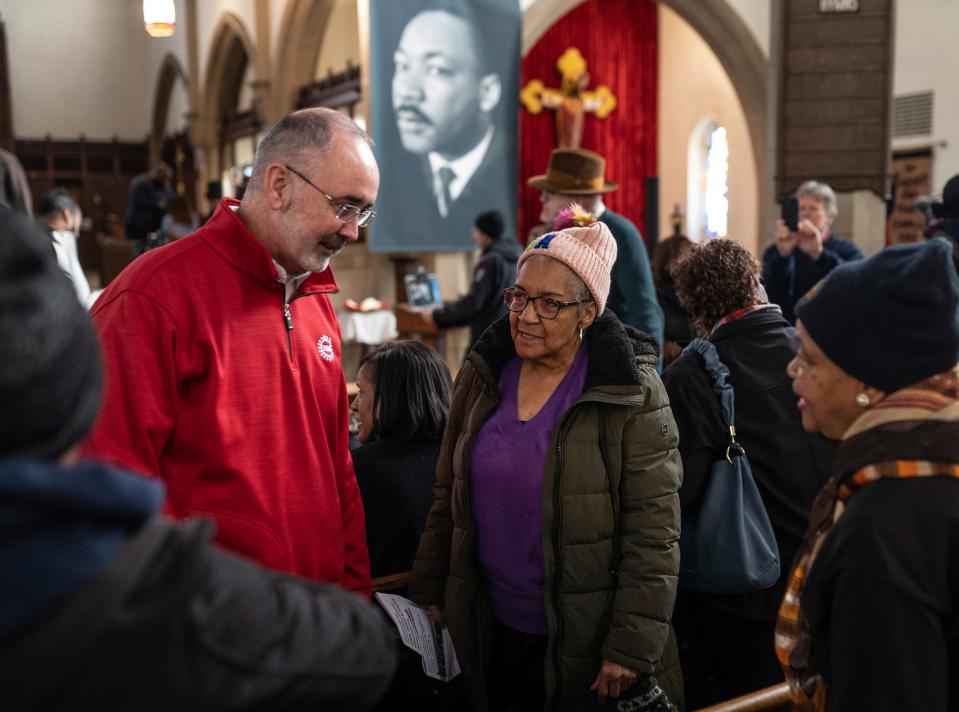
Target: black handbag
x,y
729,545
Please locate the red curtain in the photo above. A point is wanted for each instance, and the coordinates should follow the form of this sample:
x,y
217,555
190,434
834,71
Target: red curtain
x,y
618,40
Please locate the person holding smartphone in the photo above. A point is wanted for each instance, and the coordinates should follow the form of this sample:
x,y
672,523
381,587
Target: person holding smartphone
x,y
805,249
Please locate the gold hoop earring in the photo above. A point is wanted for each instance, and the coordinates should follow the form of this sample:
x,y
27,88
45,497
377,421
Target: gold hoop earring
x,y
862,400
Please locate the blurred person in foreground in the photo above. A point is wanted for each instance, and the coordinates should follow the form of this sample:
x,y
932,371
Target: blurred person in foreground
x,y
105,605
718,282
869,616
551,549
402,404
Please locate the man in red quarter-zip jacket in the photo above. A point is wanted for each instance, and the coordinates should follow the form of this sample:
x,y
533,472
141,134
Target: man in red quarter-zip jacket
x,y
223,364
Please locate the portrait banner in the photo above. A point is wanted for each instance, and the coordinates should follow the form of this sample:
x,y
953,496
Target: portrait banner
x,y
444,84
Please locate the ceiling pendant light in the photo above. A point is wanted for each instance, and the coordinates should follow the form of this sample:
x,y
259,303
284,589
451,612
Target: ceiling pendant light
x,y
159,17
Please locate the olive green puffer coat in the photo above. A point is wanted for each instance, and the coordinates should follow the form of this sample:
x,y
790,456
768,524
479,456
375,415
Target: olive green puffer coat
x,y
610,521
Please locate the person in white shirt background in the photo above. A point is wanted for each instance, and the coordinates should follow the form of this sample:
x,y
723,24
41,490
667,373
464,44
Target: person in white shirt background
x,y
59,213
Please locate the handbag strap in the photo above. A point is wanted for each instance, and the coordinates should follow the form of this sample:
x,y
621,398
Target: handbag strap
x,y
722,387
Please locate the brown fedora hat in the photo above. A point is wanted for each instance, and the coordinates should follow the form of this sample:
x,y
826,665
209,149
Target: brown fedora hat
x,y
574,171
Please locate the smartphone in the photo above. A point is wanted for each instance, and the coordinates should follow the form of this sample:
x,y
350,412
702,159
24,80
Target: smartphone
x,y
791,213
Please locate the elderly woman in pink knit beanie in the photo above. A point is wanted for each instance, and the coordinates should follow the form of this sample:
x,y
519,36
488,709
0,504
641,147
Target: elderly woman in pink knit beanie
x,y
551,551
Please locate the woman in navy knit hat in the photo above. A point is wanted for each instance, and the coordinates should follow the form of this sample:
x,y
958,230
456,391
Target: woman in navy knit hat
x,y
869,619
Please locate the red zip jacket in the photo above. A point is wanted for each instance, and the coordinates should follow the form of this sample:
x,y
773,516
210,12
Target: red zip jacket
x,y
239,408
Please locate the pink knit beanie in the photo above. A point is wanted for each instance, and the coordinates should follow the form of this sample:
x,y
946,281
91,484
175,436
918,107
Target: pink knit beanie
x,y
584,245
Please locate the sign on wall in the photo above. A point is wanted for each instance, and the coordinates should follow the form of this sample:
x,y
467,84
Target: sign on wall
x,y
445,99
912,178
837,7
835,91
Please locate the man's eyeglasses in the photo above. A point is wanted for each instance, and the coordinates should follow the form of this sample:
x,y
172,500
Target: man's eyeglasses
x,y
545,307
345,212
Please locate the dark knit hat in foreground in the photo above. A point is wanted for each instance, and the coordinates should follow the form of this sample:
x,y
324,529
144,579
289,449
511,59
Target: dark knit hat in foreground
x,y
490,224
889,321
50,376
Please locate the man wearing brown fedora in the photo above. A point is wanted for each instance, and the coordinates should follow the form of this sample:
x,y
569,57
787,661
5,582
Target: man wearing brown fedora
x,y
577,175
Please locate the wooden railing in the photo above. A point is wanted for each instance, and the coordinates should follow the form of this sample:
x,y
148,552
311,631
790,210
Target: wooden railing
x,y
770,699
391,582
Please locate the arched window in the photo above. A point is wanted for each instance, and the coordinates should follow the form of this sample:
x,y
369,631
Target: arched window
x,y
708,182
717,183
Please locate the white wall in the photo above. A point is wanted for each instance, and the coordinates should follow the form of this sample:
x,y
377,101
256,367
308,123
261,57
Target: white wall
x,y
927,56
176,116
341,40
159,47
277,13
756,14
208,14
78,67
693,86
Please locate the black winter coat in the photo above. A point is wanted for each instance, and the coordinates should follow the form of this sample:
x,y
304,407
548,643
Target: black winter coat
x,y
789,465
787,279
482,306
396,479
882,596
149,615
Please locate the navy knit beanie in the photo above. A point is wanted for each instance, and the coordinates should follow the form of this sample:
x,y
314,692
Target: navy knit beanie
x,y
50,376
890,321
490,224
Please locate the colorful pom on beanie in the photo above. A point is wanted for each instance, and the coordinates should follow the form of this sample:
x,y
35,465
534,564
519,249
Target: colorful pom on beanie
x,y
583,244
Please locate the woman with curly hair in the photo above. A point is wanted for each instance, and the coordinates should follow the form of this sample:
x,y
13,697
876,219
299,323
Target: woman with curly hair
x,y
718,283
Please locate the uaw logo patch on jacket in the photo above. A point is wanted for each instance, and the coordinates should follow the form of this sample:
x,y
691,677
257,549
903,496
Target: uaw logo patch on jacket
x,y
325,346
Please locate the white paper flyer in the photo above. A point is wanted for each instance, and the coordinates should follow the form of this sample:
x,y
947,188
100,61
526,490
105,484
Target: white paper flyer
x,y
420,633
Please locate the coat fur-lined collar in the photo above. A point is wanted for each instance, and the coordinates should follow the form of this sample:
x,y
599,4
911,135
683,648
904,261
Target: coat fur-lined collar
x,y
614,351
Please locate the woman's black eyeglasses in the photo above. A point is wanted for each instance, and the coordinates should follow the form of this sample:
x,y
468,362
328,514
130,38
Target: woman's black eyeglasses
x,y
545,307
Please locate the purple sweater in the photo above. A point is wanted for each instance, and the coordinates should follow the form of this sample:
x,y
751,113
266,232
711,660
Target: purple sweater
x,y
506,496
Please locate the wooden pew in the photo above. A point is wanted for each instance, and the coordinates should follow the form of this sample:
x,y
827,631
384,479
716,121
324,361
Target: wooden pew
x,y
115,254
769,699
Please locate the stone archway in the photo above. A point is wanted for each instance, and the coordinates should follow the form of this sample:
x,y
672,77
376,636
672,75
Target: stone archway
x,y
729,38
301,32
171,71
231,52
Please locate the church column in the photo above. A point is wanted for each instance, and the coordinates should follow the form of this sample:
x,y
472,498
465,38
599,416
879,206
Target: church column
x,y
196,127
262,86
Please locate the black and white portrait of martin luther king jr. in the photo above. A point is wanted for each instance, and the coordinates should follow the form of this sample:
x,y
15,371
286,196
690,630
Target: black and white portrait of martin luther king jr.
x,y
453,91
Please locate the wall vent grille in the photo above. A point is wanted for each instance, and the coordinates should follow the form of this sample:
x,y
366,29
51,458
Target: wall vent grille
x,y
912,114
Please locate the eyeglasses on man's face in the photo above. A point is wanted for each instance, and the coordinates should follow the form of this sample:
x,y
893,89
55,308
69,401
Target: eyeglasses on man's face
x,y
516,300
345,212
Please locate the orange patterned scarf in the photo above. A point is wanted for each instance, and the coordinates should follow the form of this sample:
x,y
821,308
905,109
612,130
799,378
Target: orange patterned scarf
x,y
793,639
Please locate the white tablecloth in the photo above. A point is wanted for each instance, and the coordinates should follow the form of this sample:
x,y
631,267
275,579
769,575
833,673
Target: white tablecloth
x,y
371,328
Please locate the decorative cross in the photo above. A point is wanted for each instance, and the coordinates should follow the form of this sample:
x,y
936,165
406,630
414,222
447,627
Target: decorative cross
x,y
571,102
